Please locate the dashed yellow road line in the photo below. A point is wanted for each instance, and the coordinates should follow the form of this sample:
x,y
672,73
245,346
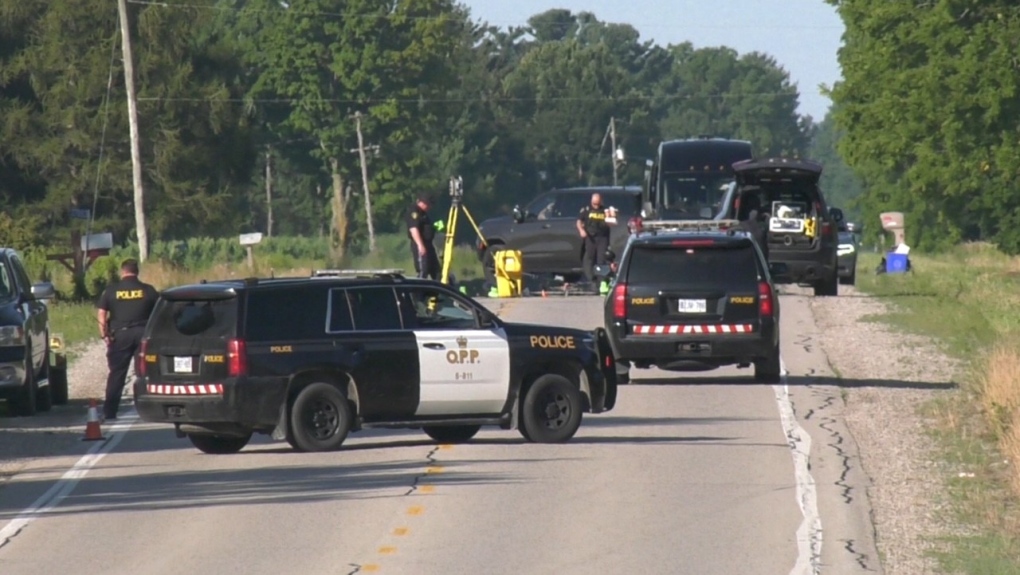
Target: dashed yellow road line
x,y
434,469
415,510
387,550
370,568
400,531
446,446
426,489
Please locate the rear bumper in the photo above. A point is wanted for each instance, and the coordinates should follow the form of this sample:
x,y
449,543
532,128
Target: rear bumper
x,y
804,267
252,403
665,349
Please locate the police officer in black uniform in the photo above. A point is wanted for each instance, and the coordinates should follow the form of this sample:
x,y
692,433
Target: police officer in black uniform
x,y
594,230
749,217
123,310
421,231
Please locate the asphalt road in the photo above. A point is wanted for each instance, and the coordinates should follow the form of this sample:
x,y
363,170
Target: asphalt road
x,y
705,474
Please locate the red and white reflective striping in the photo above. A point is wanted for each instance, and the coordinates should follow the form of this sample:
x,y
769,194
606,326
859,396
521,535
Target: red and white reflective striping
x,y
678,329
209,389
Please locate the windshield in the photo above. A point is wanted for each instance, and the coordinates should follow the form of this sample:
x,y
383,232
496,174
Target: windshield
x,y
691,193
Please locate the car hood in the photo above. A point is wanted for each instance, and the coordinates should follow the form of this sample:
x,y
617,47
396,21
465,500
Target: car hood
x,y
10,313
756,172
498,222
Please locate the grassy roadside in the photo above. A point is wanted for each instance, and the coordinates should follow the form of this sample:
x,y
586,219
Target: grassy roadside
x,y
970,301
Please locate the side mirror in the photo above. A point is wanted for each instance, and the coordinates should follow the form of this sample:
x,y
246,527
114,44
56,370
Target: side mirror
x,y
836,214
43,290
706,213
778,269
518,214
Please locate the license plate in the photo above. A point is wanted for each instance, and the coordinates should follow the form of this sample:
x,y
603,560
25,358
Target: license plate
x,y
692,306
183,365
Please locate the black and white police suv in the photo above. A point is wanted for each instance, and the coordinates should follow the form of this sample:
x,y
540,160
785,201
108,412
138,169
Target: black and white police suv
x,y
311,359
694,295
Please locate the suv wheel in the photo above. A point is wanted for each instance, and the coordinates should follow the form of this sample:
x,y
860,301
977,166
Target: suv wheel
x,y
58,383
769,369
551,412
320,418
218,444
452,433
23,403
829,287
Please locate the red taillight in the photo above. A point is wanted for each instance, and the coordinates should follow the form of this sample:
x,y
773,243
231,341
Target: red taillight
x,y
620,301
634,225
765,307
237,358
142,365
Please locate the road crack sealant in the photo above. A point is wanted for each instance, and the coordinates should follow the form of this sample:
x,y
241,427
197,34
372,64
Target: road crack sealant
x,y
809,534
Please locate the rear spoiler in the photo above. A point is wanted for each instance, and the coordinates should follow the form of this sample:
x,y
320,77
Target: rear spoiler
x,y
689,225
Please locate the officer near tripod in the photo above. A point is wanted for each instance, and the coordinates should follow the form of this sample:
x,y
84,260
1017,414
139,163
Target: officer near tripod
x,y
421,231
593,224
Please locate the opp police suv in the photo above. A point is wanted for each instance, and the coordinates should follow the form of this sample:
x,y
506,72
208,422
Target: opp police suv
x,y
311,359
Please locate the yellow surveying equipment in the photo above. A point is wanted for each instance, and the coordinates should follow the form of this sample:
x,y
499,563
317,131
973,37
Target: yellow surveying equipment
x,y
456,205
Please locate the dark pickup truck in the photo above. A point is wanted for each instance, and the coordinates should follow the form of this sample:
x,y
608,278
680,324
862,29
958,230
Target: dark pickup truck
x,y
545,230
27,380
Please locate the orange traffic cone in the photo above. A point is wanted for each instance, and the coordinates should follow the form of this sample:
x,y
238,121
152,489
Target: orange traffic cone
x,y
92,430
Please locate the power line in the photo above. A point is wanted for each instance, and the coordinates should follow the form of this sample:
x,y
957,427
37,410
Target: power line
x,y
636,97
656,25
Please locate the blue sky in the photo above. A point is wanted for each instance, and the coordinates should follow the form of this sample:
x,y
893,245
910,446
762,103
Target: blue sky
x,y
802,35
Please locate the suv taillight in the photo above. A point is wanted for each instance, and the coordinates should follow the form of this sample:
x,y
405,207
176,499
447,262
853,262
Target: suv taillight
x,y
237,358
765,307
141,366
620,301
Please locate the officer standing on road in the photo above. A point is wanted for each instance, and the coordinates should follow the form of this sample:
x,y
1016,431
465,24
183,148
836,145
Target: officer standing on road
x,y
749,217
421,231
123,310
594,230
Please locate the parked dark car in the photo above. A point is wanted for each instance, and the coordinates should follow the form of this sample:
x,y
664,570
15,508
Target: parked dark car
x,y
25,380
847,257
545,230
800,227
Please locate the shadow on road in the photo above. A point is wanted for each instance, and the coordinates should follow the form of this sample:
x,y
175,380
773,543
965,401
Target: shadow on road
x,y
794,380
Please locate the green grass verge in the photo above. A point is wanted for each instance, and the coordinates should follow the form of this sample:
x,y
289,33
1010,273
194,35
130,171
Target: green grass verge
x,y
76,322
969,301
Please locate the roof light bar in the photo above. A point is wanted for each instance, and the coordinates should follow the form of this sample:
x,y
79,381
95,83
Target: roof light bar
x,y
689,225
356,273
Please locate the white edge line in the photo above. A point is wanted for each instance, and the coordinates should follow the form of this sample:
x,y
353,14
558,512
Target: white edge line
x,y
67,482
809,534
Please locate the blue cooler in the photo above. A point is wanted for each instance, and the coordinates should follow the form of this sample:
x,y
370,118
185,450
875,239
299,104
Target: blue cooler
x,y
895,263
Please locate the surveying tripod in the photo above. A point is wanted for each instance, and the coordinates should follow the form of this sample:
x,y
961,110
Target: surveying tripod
x,y
456,205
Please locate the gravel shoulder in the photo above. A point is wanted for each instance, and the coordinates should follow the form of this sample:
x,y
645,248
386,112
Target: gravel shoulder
x,y
888,376
60,430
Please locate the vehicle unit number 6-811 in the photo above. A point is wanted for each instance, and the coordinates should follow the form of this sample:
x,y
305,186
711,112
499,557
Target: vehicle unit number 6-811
x,y
692,306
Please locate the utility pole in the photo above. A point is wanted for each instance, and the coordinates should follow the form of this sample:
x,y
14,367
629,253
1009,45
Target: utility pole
x,y
136,155
612,135
269,191
364,183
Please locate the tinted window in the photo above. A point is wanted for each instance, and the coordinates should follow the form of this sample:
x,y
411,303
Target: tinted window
x,y
436,309
542,207
569,205
340,318
213,319
7,289
21,274
374,309
677,265
286,314
627,205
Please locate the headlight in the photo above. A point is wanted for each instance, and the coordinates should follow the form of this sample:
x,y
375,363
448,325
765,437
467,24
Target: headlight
x,y
12,336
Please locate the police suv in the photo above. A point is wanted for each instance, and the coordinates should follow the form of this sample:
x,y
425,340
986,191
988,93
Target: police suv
x,y
311,359
693,295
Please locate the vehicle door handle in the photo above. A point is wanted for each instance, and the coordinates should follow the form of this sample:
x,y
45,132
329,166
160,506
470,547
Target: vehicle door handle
x,y
546,226
434,346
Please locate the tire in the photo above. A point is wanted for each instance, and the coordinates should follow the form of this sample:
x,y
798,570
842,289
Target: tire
x,y
24,402
769,369
551,412
320,418
828,288
218,444
452,433
58,385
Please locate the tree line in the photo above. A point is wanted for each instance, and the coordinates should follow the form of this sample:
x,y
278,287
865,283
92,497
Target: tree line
x,y
254,115
928,112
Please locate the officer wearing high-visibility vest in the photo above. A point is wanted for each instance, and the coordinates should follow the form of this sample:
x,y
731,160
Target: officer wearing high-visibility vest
x,y
593,226
123,310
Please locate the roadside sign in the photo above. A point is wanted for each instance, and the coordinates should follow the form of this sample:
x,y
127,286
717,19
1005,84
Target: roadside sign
x,y
250,239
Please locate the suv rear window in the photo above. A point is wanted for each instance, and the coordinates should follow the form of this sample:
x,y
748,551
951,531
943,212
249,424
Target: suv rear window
x,y
208,319
730,264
